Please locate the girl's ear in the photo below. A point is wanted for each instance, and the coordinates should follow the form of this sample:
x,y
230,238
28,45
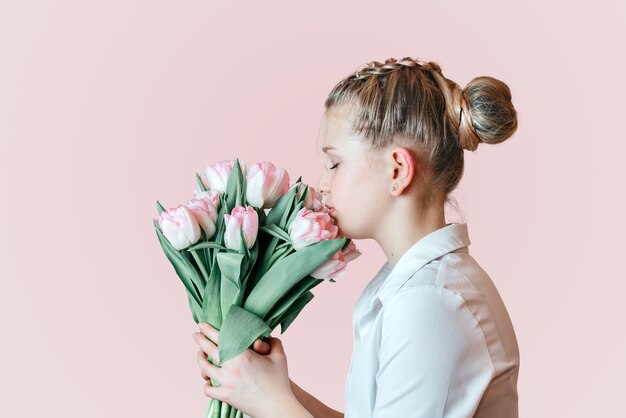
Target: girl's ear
x,y
402,169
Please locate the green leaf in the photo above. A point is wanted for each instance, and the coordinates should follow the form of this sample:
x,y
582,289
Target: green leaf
x,y
218,238
211,301
291,297
185,270
243,246
230,267
160,207
239,330
196,311
288,271
280,252
236,187
304,194
298,206
276,231
266,256
249,264
201,267
200,184
283,204
207,244
292,313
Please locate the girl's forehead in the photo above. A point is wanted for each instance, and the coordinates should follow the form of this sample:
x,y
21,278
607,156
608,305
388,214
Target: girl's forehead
x,y
336,133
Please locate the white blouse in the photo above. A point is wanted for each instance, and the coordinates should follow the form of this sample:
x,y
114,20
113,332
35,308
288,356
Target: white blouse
x,y
432,338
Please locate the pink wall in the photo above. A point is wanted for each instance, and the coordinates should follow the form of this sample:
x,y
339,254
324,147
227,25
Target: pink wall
x,y
106,107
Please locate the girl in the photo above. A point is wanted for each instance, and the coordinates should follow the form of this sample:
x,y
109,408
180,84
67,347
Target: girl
x,y
432,337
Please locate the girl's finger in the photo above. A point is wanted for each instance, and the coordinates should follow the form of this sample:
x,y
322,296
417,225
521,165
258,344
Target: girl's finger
x,y
207,346
261,346
209,331
215,392
209,370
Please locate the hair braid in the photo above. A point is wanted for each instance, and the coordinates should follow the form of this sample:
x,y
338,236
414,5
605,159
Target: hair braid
x,y
457,107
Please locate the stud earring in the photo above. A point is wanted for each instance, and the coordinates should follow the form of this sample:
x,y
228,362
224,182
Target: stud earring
x,y
395,186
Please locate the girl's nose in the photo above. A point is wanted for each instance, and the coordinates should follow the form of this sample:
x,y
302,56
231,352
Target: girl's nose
x,y
322,185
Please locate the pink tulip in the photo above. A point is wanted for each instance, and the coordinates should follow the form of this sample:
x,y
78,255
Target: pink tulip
x,y
216,176
310,227
333,268
204,210
241,218
351,252
179,226
265,184
212,195
313,198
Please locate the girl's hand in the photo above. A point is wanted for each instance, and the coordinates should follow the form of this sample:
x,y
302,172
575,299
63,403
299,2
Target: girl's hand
x,y
256,384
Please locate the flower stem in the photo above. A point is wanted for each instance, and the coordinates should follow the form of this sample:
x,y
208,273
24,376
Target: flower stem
x,y
213,410
225,412
215,405
233,412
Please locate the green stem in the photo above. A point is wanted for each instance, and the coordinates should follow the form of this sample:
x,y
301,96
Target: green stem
x,y
239,414
215,405
225,412
218,409
209,409
212,408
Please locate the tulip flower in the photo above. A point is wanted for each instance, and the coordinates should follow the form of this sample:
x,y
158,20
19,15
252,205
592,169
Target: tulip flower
x,y
212,193
333,268
351,252
265,184
212,196
204,209
179,226
241,219
313,198
216,175
309,227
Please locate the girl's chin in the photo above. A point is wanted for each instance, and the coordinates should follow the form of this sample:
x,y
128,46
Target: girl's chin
x,y
339,230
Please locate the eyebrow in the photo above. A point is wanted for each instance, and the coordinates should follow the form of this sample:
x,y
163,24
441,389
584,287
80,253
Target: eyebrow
x,y
328,148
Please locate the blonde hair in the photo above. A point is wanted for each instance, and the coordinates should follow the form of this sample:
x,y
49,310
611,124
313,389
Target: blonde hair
x,y
410,102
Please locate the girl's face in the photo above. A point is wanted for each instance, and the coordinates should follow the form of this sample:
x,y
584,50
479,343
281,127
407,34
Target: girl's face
x,y
355,180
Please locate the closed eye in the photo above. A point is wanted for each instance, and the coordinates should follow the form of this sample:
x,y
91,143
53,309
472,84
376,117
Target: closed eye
x,y
334,166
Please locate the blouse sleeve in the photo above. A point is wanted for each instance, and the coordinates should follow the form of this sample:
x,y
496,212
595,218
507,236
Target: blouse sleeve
x,y
433,359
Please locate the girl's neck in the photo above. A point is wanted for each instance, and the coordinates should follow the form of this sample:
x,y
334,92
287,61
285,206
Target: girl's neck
x,y
404,227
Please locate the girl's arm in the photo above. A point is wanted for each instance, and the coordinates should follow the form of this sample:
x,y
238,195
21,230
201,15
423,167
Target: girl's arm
x,y
312,404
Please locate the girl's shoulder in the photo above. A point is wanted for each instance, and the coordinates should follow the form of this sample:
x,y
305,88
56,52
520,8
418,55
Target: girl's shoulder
x,y
456,289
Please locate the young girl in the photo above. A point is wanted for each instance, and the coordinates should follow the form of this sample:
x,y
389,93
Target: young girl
x,y
432,338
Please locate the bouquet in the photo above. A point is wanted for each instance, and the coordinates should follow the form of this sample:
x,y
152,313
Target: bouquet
x,y
248,248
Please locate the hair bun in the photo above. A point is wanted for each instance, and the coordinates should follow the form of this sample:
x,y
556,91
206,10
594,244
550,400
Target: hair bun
x,y
488,115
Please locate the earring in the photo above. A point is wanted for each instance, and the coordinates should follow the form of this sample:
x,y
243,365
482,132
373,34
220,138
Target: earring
x,y
395,186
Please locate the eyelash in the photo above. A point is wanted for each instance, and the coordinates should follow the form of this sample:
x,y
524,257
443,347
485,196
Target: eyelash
x,y
334,166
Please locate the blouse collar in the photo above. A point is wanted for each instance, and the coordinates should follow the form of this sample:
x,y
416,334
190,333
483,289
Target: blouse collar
x,y
431,246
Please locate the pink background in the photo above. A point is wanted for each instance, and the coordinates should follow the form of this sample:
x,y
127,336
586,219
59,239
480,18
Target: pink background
x,y
106,107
